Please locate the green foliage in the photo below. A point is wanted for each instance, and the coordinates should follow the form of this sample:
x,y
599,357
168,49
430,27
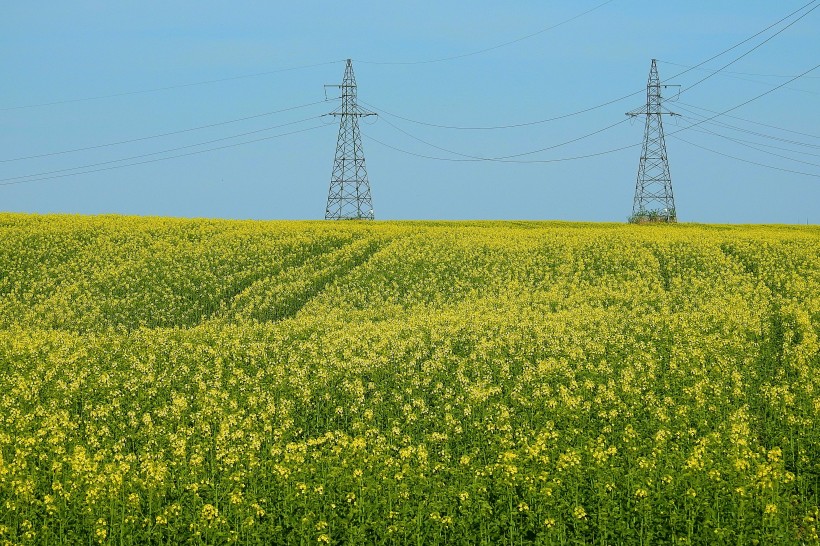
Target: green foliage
x,y
654,217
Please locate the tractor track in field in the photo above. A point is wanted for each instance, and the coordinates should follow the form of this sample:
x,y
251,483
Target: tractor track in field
x,y
298,278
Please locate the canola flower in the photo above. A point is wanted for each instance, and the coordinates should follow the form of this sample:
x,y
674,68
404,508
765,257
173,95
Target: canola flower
x,y
212,382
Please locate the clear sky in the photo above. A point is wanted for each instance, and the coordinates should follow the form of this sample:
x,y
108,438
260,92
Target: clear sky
x,y
84,49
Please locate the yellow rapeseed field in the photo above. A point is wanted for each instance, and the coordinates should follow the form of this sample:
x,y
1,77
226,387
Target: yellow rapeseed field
x,y
170,381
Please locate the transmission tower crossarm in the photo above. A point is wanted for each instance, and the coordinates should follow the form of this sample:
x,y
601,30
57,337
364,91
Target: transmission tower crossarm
x,y
357,114
642,113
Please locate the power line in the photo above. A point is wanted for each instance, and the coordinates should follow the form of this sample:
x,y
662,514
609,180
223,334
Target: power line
x,y
746,160
478,52
164,134
744,79
46,175
506,158
795,89
711,121
161,151
28,178
754,146
752,142
574,158
293,68
758,45
510,126
674,133
750,121
498,158
521,161
613,101
727,50
737,73
503,160
748,101
164,158
475,158
169,87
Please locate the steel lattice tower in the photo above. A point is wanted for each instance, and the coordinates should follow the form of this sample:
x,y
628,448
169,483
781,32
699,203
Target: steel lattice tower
x,y
349,194
653,190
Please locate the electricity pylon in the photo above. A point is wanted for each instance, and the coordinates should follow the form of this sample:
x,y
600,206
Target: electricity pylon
x,y
653,201
349,194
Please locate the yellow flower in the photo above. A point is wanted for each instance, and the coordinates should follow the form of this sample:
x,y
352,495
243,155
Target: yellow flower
x,y
770,509
101,530
579,513
209,512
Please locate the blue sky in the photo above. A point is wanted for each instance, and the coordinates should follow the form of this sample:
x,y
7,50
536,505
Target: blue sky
x,y
89,49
